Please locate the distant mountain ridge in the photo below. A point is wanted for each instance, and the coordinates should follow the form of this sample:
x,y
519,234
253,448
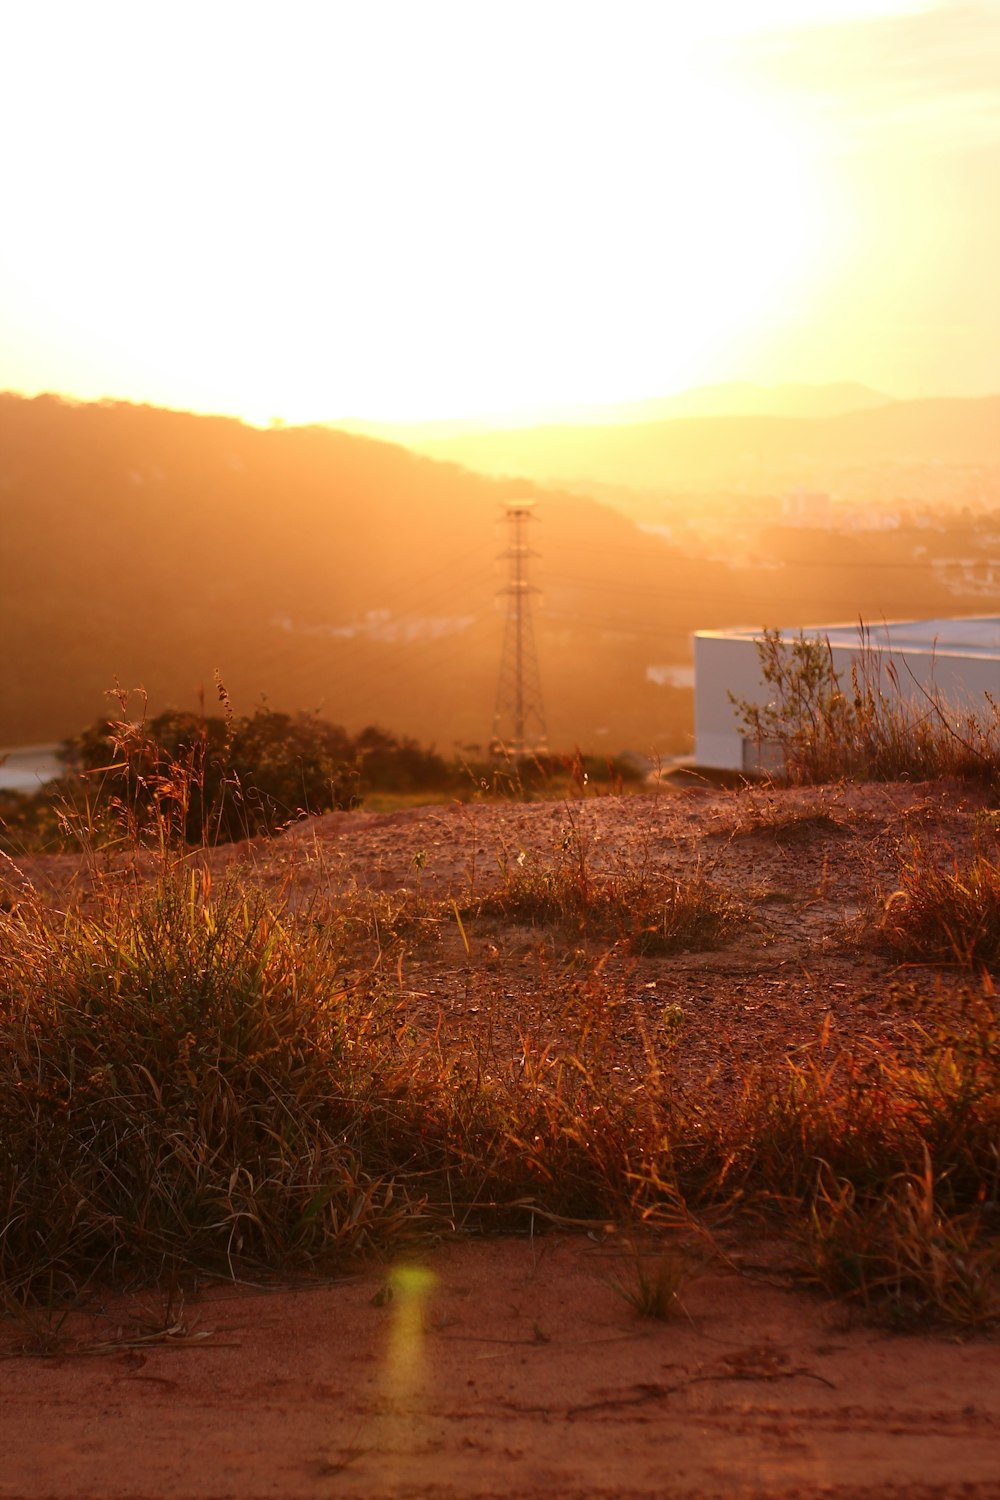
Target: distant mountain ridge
x,y
748,453
732,398
743,398
319,569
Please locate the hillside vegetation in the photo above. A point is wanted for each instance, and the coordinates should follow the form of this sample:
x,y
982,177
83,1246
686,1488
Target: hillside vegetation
x,y
658,1013
682,1016
316,570
322,571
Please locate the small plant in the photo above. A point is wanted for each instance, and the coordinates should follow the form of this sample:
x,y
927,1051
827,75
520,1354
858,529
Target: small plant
x,y
653,1290
900,1255
684,915
882,726
772,815
945,914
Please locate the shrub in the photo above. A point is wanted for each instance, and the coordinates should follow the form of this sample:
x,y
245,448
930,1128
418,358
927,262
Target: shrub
x,y
188,776
879,728
387,763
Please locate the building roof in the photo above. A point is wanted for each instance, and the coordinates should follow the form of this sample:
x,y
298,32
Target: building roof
x,y
973,635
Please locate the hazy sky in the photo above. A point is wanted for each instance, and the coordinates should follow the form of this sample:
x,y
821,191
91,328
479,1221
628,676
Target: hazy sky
x,y
420,208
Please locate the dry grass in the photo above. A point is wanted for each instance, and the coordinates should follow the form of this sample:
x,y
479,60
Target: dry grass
x,y
946,912
194,1078
903,1257
206,1077
650,915
652,1284
882,725
185,1080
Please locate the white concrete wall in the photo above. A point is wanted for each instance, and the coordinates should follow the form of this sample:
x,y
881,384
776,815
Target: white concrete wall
x,y
27,767
723,665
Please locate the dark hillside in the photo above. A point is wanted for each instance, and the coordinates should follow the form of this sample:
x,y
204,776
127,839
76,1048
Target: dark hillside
x,y
312,567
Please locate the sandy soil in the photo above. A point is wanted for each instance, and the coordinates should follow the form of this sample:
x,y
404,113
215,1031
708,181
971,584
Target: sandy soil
x,y
500,1368
514,1367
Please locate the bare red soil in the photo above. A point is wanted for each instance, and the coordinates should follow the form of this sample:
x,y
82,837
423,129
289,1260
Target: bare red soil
x,y
509,1368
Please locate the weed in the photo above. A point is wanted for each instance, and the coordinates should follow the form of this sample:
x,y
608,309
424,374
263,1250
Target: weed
x,y
653,1291
898,1254
882,726
945,914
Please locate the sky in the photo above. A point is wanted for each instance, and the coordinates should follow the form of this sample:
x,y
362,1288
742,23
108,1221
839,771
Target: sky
x,y
418,209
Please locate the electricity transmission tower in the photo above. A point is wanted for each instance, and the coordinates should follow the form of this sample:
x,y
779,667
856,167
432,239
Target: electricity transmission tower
x,y
519,719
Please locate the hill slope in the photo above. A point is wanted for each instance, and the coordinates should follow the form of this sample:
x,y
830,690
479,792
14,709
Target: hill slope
x,y
310,567
734,398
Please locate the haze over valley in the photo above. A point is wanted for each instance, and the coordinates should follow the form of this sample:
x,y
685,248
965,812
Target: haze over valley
x,y
321,570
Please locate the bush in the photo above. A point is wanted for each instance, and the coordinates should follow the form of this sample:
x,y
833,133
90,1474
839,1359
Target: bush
x,y
386,763
203,779
877,729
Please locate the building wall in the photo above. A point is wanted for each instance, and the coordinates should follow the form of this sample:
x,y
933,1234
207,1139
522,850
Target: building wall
x,y
723,665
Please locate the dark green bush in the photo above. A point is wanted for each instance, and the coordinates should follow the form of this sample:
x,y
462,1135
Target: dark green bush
x,y
202,779
184,777
386,763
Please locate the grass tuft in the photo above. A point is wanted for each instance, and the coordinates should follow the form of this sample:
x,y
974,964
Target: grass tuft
x,y
651,914
653,1291
946,914
185,1079
901,1256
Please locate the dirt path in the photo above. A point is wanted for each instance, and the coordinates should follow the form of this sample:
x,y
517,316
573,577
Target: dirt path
x,y
500,1368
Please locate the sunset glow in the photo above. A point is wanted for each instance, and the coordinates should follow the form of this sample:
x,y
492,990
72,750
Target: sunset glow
x,y
443,210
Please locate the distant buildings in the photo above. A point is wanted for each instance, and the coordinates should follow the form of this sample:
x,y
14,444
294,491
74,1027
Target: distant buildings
x,y
968,575
816,510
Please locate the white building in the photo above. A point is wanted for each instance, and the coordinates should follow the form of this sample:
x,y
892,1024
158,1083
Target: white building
x,y
959,658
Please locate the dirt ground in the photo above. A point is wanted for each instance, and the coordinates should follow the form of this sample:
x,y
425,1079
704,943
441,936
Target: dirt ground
x,y
515,1367
500,1368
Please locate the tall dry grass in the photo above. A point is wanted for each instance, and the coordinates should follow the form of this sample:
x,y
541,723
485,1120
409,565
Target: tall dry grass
x,y
881,725
195,1078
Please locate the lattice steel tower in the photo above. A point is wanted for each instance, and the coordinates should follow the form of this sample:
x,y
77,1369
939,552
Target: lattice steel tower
x,y
519,720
